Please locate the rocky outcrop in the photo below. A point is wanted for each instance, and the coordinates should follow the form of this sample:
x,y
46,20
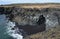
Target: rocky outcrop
x,y
6,10
32,20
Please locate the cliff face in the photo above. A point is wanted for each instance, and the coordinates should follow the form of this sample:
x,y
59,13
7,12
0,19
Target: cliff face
x,y
29,16
31,19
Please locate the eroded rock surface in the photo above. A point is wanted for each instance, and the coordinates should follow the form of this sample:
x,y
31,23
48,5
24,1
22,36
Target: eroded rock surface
x,y
32,21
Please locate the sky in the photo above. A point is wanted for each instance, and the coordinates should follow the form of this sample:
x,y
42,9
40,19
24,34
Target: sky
x,y
28,1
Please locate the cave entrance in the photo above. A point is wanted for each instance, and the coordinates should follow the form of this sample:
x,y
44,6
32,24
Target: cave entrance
x,y
41,20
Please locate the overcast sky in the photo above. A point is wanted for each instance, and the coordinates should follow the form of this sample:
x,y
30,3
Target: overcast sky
x,y
28,1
